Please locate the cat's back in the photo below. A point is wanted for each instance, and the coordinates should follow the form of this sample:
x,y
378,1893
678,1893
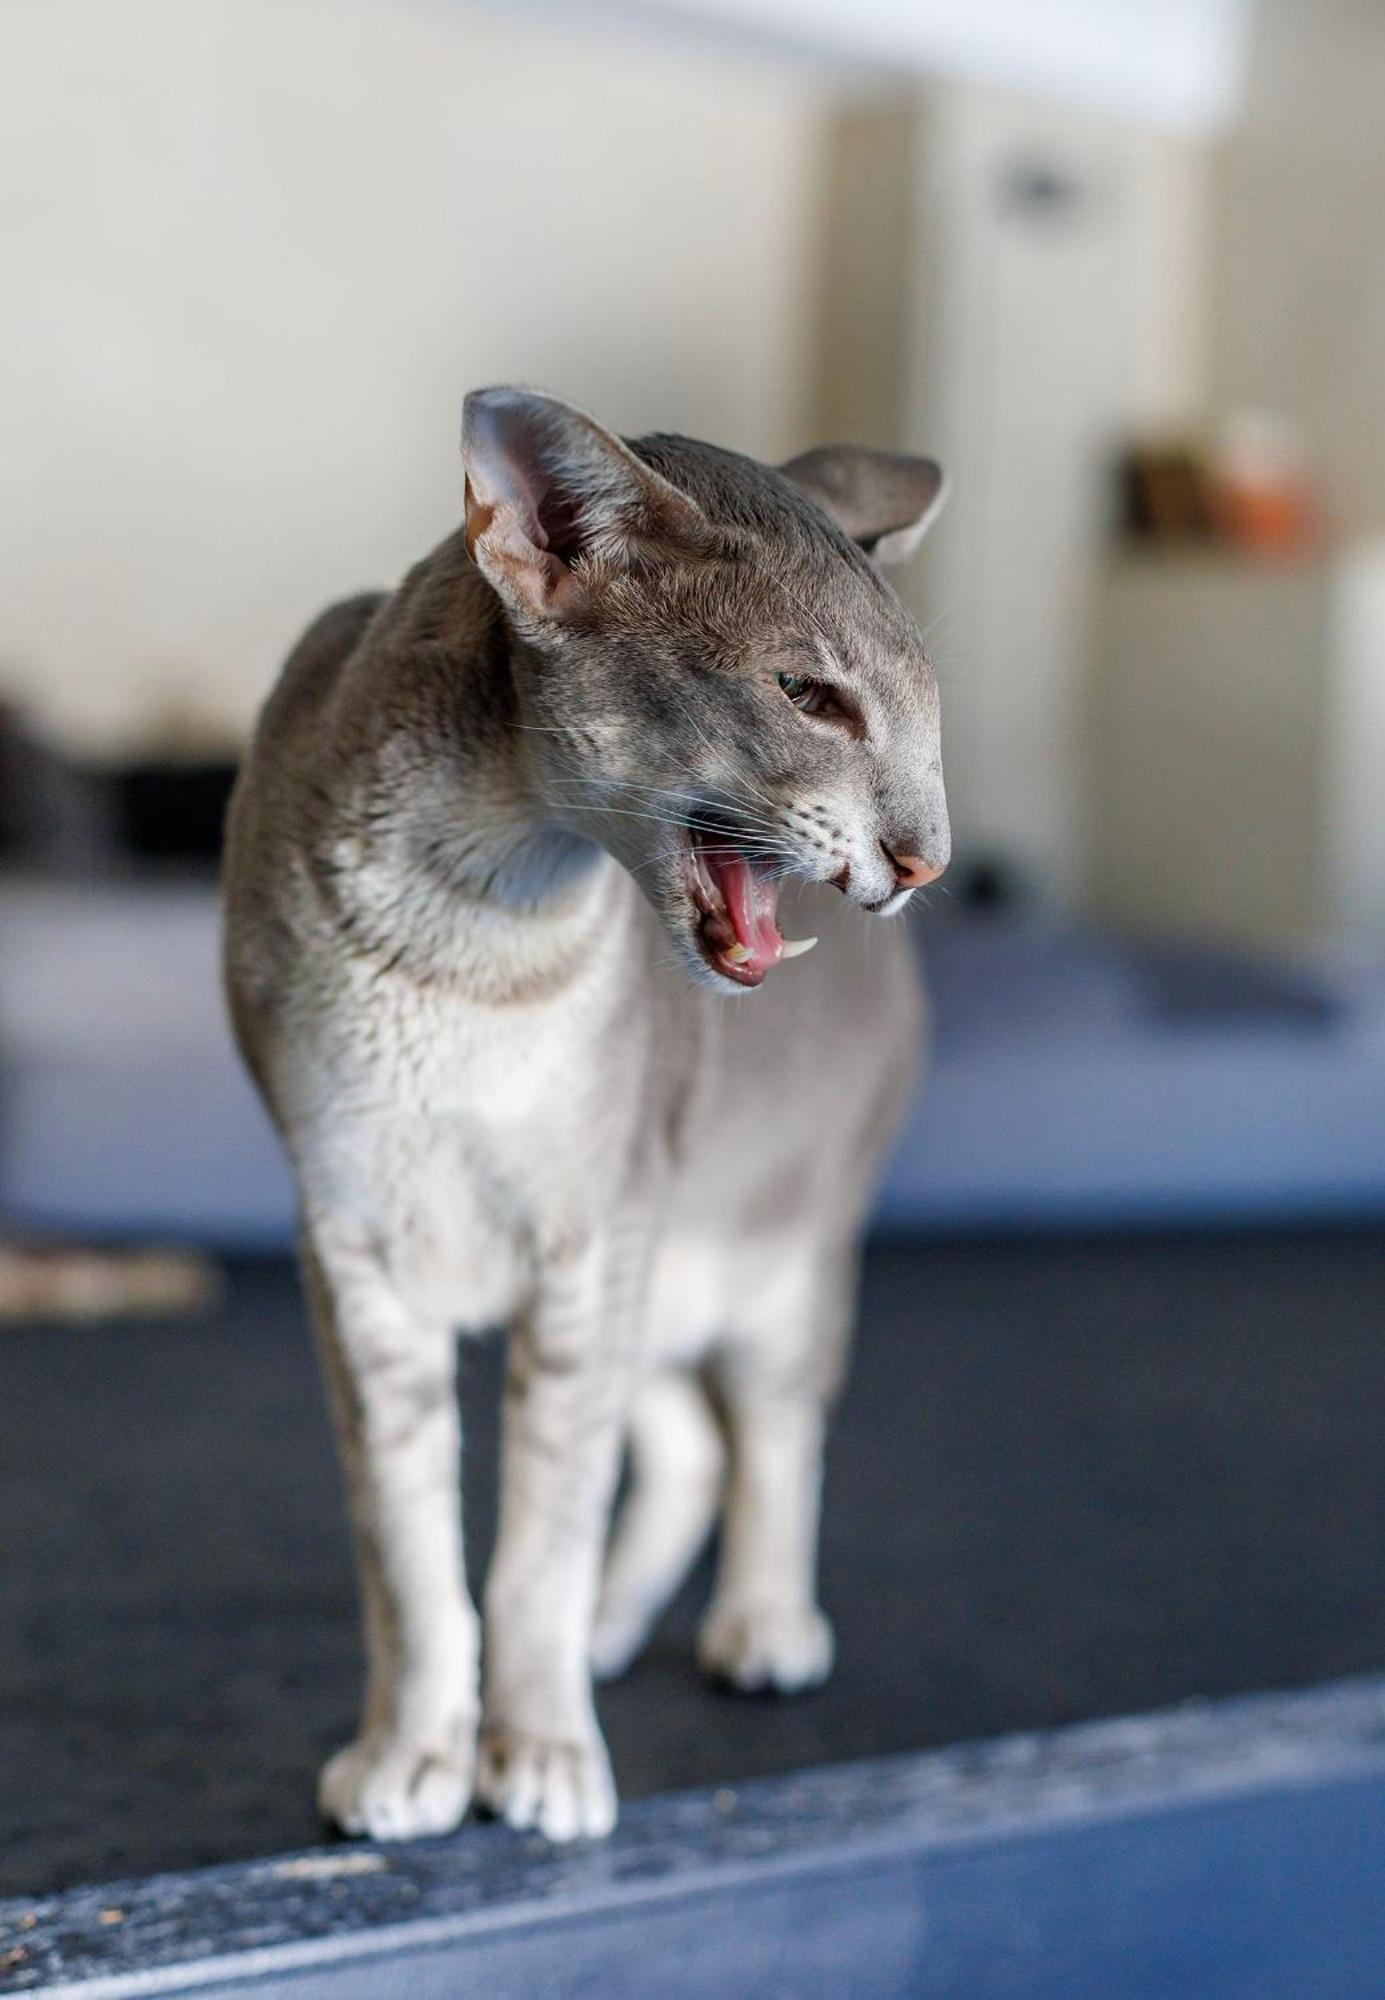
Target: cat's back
x,y
288,739
263,821
292,717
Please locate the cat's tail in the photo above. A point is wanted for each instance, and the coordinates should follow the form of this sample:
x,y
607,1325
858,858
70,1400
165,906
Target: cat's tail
x,y
677,1468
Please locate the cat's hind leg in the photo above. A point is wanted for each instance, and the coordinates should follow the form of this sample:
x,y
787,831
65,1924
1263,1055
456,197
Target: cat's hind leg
x,y
677,1464
775,1377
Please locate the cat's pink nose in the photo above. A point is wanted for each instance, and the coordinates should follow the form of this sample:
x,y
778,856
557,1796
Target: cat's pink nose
x,y
911,871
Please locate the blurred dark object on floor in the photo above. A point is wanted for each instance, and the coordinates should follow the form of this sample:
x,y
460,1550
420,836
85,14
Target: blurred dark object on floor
x,y
169,810
80,818
989,885
50,821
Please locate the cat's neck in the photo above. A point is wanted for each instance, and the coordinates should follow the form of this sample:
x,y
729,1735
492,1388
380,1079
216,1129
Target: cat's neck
x,y
443,811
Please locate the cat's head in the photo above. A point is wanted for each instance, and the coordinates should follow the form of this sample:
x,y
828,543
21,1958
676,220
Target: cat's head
x,y
714,680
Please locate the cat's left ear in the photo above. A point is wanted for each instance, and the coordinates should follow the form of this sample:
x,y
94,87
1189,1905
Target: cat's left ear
x,y
884,500
547,485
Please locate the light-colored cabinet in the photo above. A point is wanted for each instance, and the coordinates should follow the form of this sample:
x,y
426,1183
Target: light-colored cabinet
x,y
1237,747
1048,248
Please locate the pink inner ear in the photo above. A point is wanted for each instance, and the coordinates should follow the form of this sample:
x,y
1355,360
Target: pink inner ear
x,y
502,544
513,452
545,484
478,518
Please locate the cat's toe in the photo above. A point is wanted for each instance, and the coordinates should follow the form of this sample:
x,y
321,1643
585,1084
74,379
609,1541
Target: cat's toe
x,y
396,1788
563,1789
766,1646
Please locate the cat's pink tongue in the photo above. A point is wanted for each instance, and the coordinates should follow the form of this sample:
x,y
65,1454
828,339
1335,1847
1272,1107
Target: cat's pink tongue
x,y
751,903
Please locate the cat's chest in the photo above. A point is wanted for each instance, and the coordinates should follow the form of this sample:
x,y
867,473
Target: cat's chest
x,y
534,1095
475,1146
492,1069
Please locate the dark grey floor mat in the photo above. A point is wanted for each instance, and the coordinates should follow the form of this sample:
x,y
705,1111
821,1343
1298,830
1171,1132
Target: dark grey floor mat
x,y
1069,1479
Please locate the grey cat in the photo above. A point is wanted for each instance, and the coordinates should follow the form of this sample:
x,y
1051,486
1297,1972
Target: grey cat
x,y
503,871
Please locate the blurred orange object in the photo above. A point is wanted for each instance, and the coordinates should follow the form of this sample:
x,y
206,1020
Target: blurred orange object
x,y
1262,493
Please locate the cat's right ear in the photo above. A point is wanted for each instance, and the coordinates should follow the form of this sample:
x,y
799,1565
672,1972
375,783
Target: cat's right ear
x,y
884,500
552,497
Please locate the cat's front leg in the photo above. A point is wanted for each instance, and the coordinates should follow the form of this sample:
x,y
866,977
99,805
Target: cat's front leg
x,y
543,1762
391,1377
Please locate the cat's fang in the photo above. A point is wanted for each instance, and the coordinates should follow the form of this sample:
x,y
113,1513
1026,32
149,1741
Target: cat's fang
x,y
737,953
795,947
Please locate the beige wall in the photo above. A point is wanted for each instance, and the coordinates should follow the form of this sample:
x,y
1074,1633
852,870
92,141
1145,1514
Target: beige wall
x,y
255,250
1299,306
1043,339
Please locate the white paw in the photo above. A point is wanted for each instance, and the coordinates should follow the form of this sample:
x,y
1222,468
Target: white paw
x,y
400,1788
563,1788
786,1647
618,1635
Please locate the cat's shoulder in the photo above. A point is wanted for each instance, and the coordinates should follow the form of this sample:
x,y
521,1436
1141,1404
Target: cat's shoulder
x,y
314,666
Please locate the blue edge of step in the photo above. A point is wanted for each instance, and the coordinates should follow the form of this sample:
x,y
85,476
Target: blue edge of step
x,y
1221,1847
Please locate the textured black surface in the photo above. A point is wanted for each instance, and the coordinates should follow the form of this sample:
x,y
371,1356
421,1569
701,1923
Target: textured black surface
x,y
1069,1479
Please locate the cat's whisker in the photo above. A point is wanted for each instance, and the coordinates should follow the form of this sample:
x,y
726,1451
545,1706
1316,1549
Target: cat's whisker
x,y
717,755
748,843
753,823
735,837
667,791
550,729
688,814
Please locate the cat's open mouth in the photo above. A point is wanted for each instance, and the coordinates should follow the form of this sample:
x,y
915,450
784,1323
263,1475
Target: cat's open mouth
x,y
737,903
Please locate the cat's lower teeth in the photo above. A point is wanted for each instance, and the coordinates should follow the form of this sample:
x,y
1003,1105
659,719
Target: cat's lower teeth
x,y
737,953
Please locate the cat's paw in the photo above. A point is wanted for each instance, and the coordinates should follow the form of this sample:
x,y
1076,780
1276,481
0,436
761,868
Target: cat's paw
x,y
563,1788
400,1788
760,1646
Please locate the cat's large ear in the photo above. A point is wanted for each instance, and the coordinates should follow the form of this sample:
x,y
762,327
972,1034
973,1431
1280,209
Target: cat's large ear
x,y
884,500
545,485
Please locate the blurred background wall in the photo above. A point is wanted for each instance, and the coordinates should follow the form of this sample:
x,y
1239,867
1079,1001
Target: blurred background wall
x,y
1297,318
257,251
1115,261
259,248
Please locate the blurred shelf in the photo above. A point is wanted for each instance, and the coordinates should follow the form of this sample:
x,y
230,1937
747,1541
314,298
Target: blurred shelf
x,y
1077,1077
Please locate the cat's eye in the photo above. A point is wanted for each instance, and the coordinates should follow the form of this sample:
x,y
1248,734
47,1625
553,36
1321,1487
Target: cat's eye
x,y
819,698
